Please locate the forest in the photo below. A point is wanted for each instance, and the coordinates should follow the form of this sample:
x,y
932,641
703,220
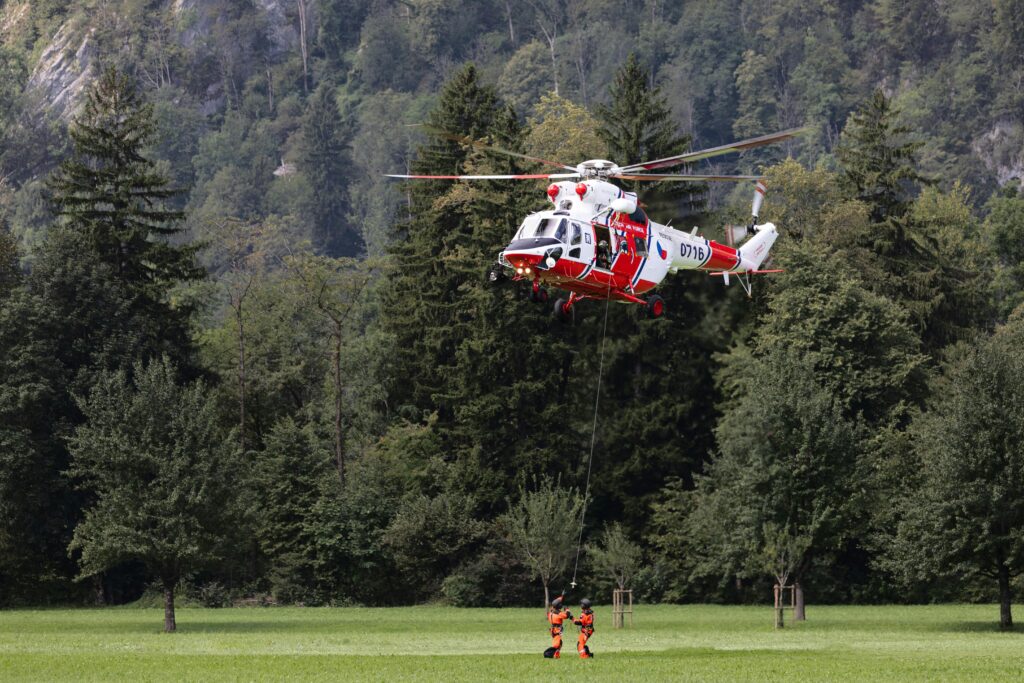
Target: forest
x,y
238,364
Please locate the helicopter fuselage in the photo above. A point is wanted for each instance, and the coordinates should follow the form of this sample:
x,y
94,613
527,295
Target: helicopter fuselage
x,y
587,248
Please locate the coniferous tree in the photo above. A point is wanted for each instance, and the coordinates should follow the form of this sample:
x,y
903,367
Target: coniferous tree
x,y
117,204
423,298
9,273
878,162
921,261
327,163
657,373
637,126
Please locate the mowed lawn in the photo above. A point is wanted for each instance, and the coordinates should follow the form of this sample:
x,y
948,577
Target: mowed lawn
x,y
677,643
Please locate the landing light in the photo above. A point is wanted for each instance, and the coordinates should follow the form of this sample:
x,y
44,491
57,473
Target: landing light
x,y
527,271
519,270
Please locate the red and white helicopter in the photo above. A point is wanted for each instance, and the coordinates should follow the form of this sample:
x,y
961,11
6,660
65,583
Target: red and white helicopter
x,y
598,243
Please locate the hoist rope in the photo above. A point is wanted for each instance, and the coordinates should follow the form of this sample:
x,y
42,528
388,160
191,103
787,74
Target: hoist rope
x,y
593,434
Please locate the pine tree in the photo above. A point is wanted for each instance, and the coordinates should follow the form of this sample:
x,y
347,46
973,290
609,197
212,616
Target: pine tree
x,y
116,204
637,126
9,272
327,163
878,163
423,298
657,373
922,263
115,196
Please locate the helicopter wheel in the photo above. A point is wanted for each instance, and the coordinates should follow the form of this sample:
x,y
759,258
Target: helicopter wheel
x,y
563,311
539,296
495,274
655,306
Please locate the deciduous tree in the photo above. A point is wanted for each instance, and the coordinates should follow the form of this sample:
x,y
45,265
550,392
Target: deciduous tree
x,y
542,528
965,516
154,457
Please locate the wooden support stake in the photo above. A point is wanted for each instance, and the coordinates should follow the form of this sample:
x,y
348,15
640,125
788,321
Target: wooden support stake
x,y
620,607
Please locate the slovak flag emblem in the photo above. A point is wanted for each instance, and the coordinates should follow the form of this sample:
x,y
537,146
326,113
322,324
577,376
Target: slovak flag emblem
x,y
661,251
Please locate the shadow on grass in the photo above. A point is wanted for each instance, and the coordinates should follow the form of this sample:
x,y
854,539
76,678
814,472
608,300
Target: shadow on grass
x,y
977,627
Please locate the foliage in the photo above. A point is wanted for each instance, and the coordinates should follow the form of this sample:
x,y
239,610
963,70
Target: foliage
x,y
561,130
325,162
153,454
617,556
780,491
878,162
542,530
964,517
112,194
270,128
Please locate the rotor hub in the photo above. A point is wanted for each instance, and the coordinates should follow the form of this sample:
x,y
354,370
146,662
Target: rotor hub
x,y
597,168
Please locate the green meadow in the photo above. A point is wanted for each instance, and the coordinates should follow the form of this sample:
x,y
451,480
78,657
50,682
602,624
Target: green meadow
x,y
924,643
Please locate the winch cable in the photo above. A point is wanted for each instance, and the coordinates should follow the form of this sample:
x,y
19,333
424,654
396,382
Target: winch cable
x,y
593,434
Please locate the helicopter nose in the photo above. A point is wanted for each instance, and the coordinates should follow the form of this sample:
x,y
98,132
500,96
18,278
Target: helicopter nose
x,y
524,262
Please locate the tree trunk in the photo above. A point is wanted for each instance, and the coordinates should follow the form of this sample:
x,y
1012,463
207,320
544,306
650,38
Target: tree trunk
x,y
547,595
241,377
778,617
511,28
339,446
169,625
302,45
1005,618
551,37
799,613
99,591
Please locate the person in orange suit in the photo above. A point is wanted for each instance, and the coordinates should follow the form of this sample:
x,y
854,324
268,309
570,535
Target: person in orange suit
x,y
586,624
557,614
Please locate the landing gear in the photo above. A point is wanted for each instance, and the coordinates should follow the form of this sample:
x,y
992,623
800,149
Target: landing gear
x,y
538,295
564,310
655,306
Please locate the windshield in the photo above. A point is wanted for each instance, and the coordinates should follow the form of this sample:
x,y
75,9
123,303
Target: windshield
x,y
545,227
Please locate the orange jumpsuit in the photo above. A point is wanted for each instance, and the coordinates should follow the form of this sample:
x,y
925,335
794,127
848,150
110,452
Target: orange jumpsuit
x,y
555,618
586,624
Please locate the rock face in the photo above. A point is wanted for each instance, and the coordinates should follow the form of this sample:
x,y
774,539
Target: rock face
x,y
1002,151
283,36
64,69
67,64
13,20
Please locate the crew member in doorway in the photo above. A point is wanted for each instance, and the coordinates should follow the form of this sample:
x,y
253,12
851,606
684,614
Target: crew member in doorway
x,y
603,255
557,613
586,624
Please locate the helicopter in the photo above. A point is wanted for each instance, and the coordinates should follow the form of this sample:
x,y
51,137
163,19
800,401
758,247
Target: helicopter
x,y
597,242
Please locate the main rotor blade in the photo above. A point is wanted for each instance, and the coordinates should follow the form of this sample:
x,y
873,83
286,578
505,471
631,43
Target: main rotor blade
x,y
691,177
522,176
490,148
740,146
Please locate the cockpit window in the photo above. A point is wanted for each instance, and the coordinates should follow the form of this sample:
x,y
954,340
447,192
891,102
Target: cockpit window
x,y
559,228
576,233
638,216
562,231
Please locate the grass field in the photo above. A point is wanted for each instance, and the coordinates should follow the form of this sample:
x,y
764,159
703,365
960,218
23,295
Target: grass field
x,y
677,643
